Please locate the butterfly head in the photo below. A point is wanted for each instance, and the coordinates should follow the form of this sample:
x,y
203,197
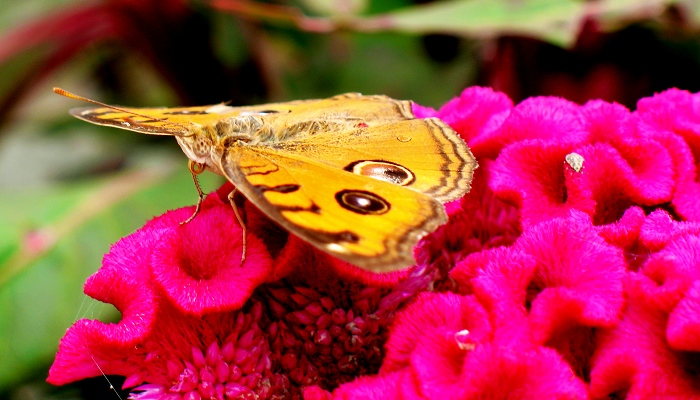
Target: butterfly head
x,y
197,146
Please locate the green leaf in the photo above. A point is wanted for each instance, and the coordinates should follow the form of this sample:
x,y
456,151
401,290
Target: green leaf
x,y
557,21
332,7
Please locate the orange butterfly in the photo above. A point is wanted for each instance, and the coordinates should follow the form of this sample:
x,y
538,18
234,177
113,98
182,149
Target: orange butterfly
x,y
359,177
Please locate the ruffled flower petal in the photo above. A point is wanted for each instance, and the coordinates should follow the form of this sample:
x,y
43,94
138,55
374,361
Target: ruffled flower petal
x,y
558,282
474,114
622,165
122,281
634,360
684,321
442,346
194,264
436,322
677,111
542,119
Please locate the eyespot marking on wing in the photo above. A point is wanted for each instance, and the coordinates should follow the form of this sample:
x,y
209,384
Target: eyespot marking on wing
x,y
362,202
382,170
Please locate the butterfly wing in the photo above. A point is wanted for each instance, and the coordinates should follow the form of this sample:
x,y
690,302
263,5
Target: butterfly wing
x,y
367,222
152,121
180,120
425,155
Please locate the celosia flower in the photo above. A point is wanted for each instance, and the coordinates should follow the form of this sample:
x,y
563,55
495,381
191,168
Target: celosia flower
x,y
552,279
212,337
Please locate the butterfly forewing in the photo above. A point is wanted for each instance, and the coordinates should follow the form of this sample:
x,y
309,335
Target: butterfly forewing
x,y
170,121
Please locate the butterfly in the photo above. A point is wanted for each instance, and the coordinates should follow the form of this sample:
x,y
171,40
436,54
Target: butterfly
x,y
359,177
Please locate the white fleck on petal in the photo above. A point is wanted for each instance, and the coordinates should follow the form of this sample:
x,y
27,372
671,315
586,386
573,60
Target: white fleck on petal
x,y
575,161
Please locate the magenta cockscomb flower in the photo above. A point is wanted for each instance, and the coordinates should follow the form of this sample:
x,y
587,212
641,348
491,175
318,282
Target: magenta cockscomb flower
x,y
654,350
227,333
563,299
571,271
168,337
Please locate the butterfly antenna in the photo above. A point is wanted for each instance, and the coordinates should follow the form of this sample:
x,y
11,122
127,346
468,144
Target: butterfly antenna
x,y
101,104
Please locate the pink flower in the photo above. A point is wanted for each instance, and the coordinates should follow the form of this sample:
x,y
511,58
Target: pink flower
x,y
443,346
636,358
676,111
172,284
192,325
571,270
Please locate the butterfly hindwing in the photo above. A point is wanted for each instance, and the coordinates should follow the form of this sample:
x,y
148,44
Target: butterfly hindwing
x,y
422,154
367,222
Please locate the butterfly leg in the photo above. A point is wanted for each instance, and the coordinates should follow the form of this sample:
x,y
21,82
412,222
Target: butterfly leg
x,y
195,169
240,221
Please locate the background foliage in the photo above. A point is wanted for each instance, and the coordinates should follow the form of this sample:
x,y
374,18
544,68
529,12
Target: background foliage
x,y
68,190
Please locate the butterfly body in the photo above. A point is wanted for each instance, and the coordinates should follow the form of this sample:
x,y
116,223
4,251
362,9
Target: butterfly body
x,y
356,176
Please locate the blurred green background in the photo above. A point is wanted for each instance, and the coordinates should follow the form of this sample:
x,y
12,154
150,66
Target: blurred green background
x,y
69,189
